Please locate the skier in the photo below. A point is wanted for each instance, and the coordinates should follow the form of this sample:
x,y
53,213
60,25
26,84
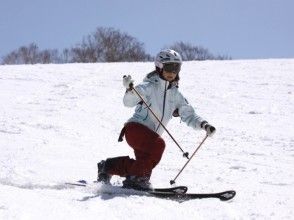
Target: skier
x,y
143,131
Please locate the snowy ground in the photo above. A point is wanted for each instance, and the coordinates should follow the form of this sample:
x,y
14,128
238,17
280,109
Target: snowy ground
x,y
57,121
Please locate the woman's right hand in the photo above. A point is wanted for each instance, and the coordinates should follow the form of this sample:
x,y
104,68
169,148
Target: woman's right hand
x,y
128,82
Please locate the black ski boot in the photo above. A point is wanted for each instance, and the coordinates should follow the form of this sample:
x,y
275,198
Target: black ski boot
x,y
138,183
103,176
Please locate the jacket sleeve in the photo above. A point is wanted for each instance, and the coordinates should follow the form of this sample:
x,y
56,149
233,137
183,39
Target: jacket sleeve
x,y
131,99
187,113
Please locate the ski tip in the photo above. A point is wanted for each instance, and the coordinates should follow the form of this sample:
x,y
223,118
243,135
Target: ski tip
x,y
180,189
77,183
82,181
227,195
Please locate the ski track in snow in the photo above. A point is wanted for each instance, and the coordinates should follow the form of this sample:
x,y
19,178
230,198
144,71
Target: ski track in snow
x,y
58,121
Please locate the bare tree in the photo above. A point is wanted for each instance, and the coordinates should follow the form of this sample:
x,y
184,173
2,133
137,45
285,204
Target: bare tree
x,y
190,52
11,58
23,55
65,57
48,56
30,55
109,45
85,52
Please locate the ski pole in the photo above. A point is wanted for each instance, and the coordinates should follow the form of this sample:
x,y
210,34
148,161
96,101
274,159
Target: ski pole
x,y
174,180
185,154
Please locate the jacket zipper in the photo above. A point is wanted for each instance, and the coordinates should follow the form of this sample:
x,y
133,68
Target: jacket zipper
x,y
163,109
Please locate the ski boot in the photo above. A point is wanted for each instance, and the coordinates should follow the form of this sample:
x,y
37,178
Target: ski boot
x,y
137,183
103,176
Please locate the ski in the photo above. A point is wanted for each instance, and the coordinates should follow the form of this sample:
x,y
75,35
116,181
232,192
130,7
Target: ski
x,y
178,193
223,196
177,189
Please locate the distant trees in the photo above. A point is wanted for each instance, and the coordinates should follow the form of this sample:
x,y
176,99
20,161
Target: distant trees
x,y
30,55
191,52
103,45
109,45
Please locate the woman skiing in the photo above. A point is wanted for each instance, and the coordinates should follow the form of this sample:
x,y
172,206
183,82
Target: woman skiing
x,y
143,131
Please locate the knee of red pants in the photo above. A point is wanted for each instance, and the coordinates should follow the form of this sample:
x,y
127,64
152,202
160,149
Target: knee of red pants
x,y
146,160
158,149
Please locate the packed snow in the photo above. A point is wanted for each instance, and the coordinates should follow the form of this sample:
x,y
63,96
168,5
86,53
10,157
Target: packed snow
x,y
58,121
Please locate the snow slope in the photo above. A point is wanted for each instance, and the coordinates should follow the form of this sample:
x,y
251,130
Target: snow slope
x,y
58,121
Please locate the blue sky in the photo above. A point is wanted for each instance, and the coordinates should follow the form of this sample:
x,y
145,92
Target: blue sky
x,y
242,29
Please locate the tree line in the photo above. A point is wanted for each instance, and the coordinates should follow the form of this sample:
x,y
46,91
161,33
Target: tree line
x,y
103,45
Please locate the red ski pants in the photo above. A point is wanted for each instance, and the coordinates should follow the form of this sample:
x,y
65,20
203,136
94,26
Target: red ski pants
x,y
148,148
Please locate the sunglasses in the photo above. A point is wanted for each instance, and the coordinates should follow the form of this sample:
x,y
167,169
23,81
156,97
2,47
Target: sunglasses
x,y
172,67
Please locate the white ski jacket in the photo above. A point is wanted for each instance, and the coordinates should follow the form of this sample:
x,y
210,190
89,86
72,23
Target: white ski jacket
x,y
164,99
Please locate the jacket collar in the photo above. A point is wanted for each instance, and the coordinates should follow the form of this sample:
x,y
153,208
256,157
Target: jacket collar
x,y
154,78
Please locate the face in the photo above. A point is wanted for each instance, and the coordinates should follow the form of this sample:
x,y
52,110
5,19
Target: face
x,y
170,71
169,76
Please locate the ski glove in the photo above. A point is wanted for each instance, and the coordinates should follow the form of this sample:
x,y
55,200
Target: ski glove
x,y
210,130
128,82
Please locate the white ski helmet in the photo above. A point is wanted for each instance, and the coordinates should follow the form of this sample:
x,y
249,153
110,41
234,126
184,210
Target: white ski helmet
x,y
167,56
